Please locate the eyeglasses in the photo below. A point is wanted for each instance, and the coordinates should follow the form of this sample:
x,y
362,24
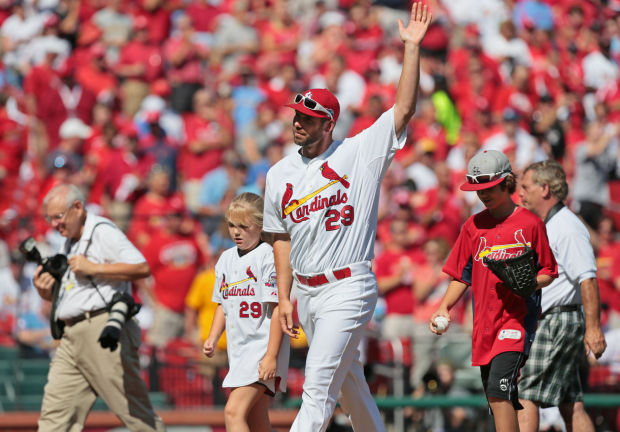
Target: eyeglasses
x,y
485,178
313,105
58,216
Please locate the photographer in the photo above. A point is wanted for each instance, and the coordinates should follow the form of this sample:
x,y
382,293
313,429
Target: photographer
x,y
101,261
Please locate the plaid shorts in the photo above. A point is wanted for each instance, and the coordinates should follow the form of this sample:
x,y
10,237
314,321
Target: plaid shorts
x,y
551,373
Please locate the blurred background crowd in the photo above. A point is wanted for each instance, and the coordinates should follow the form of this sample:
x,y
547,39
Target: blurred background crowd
x,y
163,111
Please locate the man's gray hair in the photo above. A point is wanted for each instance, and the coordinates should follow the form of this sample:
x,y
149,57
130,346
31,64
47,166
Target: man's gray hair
x,y
70,192
550,173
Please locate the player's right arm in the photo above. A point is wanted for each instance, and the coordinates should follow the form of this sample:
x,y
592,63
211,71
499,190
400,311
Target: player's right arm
x,y
217,328
453,294
284,275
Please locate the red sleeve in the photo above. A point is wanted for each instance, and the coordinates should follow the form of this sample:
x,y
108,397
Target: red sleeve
x,y
460,262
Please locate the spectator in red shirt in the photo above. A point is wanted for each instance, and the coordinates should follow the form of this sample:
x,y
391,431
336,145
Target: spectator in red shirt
x,y
458,59
366,36
174,258
394,280
98,151
150,210
208,132
13,144
123,178
375,86
158,18
607,249
204,15
371,110
77,100
139,64
96,76
183,57
518,94
281,34
41,86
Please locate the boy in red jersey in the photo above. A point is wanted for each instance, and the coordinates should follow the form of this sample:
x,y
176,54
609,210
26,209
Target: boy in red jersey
x,y
504,323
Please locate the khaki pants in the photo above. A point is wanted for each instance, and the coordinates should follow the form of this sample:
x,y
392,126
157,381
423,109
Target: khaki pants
x,y
82,369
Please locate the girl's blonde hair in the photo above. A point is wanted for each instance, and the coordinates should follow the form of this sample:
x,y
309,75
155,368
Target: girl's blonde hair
x,y
244,208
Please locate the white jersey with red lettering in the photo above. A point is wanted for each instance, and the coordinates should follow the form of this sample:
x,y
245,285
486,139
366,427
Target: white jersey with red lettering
x,y
329,204
246,288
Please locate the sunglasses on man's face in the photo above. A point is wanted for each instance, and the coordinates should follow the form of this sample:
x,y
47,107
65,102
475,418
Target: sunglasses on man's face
x,y
484,178
313,105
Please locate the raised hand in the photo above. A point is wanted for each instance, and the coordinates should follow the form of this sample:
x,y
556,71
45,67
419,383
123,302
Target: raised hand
x,y
418,24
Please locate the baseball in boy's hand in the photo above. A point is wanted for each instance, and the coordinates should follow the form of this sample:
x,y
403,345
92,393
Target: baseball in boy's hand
x,y
441,323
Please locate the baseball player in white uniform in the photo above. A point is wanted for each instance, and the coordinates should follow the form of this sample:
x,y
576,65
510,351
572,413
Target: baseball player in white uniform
x,y
321,204
247,296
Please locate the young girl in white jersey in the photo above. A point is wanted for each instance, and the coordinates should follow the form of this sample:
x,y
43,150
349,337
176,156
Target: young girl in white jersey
x,y
247,296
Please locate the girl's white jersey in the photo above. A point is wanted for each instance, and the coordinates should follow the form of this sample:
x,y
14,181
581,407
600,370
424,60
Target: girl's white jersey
x,y
246,288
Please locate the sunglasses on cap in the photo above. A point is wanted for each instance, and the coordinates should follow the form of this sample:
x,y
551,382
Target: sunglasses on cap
x,y
313,105
485,178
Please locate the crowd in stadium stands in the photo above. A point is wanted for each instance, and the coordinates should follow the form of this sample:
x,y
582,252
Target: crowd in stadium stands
x,y
163,111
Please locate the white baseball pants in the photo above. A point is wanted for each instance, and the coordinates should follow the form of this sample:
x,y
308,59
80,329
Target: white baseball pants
x,y
334,317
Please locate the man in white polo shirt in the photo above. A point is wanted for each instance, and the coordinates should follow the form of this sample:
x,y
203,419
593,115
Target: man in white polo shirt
x,y
550,376
102,262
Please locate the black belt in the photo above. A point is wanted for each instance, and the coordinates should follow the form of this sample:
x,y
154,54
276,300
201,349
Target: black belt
x,y
562,308
86,315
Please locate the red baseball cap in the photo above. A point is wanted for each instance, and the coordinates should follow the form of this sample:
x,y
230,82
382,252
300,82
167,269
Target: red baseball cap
x,y
317,103
485,170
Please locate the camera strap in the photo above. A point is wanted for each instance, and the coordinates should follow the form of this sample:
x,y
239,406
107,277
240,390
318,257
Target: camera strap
x,y
88,243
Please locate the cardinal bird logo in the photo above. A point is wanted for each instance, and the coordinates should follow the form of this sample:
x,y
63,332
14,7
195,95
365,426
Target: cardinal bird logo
x,y
330,174
288,193
223,285
250,274
500,251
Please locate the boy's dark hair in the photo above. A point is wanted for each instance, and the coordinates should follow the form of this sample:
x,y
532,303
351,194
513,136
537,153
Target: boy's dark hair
x,y
510,183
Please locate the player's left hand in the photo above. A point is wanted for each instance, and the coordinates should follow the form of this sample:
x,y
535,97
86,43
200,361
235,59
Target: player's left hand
x,y
418,24
267,368
594,342
285,312
81,266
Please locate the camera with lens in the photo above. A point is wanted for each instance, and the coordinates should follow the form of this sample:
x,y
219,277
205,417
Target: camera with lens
x,y
122,307
55,265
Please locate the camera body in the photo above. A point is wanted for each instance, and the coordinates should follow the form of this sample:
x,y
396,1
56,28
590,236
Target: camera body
x,y
55,265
